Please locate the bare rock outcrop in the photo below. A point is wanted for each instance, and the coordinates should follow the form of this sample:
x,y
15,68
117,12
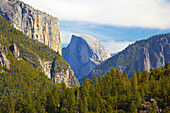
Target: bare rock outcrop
x,y
84,53
144,60
15,50
4,62
59,73
63,73
33,23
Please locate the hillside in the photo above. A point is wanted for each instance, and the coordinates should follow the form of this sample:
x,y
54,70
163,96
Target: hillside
x,y
25,88
143,55
39,56
145,92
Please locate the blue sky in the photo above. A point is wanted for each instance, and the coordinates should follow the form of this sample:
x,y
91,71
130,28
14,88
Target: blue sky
x,y
116,23
115,38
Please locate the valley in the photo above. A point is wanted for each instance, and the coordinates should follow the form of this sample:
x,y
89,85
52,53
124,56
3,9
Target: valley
x,y
37,75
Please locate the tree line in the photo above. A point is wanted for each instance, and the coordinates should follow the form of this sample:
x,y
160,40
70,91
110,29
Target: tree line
x,y
112,93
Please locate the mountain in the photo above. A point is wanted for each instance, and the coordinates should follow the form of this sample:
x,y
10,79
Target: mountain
x,y
84,53
17,48
113,54
33,23
143,55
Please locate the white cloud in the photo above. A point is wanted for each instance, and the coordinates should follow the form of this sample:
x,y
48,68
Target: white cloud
x,y
65,37
114,46
130,13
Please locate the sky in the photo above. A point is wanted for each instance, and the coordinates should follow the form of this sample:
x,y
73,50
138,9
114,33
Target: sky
x,y
116,23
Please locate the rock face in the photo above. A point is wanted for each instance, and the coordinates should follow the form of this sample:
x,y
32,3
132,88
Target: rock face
x,y
58,73
15,50
35,55
33,23
63,74
144,60
143,55
3,59
84,53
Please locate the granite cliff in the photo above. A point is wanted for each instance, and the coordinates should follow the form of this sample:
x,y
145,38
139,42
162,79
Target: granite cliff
x,y
84,53
33,23
145,54
16,49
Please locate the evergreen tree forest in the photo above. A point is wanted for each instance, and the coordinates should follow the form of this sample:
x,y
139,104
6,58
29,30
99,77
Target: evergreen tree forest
x,y
112,93
25,89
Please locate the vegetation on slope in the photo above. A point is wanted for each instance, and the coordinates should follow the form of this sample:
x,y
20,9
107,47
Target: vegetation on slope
x,y
24,88
129,59
29,49
112,93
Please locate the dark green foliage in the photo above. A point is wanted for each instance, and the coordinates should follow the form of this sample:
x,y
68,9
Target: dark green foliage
x,y
114,92
132,107
24,88
25,76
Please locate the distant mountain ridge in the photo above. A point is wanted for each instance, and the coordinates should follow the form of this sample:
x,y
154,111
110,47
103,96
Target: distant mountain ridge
x,y
113,54
84,53
143,55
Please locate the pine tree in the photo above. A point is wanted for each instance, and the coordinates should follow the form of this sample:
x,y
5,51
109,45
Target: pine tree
x,y
81,106
50,106
19,104
28,105
142,91
95,82
85,103
137,97
110,104
62,92
39,100
145,81
153,108
10,104
71,101
134,82
55,94
139,74
132,107
87,84
126,78
64,110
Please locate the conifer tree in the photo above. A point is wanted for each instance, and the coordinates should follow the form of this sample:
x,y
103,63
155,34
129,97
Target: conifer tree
x,y
145,77
71,101
84,105
51,105
19,104
134,82
139,75
153,108
28,105
132,107
55,94
10,104
126,78
95,82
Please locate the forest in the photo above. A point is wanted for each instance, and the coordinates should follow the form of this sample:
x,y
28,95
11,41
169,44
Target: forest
x,y
112,93
25,89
